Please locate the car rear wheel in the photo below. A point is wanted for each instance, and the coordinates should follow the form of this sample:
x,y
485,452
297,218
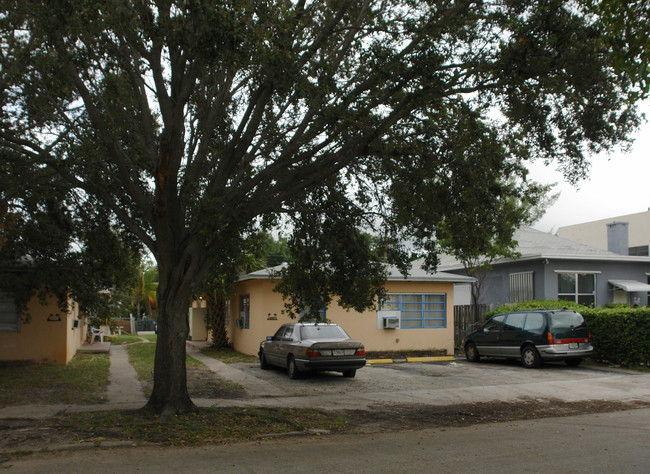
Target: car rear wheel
x,y
349,373
573,362
292,369
530,358
264,365
471,352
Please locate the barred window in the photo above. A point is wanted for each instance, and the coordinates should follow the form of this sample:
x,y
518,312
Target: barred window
x,y
418,311
521,287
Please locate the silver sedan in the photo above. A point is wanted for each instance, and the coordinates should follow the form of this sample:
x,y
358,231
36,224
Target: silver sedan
x,y
304,347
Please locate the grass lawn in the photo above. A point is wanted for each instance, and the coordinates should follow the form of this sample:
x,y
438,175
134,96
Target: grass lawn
x,y
83,380
229,355
213,425
124,339
201,381
142,358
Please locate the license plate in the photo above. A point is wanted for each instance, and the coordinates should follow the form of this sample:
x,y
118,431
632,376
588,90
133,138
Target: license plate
x,y
338,352
573,345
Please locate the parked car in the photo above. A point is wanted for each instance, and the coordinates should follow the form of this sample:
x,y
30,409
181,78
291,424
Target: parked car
x,y
303,347
533,336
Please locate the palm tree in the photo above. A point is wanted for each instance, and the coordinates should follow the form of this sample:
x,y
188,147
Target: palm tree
x,y
146,287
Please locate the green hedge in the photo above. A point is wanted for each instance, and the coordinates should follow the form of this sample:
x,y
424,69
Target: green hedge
x,y
620,335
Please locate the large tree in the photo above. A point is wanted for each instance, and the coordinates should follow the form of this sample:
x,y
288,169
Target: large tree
x,y
195,121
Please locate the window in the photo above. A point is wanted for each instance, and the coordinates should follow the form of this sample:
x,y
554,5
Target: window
x,y
577,287
495,323
245,310
323,332
515,321
305,316
521,287
418,310
534,323
9,316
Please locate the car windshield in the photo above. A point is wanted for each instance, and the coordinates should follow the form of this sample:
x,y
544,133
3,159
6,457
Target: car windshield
x,y
322,332
567,319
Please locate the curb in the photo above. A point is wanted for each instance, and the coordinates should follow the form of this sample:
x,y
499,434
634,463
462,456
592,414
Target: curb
x,y
411,359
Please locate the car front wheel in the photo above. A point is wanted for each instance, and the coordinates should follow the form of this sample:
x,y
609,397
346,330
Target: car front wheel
x,y
292,369
471,352
263,363
530,358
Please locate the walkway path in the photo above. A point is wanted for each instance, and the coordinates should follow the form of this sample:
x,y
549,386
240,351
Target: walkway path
x,y
124,388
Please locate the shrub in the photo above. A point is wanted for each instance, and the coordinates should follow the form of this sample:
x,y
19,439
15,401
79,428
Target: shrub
x,y
620,335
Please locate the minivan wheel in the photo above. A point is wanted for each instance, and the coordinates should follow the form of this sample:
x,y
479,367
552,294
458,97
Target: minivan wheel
x,y
471,352
573,362
530,358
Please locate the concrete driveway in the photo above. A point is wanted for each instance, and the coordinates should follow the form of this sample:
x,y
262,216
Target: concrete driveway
x,y
436,383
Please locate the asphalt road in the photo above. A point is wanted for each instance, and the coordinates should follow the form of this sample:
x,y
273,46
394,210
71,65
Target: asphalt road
x,y
608,442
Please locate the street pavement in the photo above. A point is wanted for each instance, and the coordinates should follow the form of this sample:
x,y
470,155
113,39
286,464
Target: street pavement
x,y
604,442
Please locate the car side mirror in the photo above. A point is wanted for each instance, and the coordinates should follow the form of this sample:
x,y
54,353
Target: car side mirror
x,y
486,330
269,338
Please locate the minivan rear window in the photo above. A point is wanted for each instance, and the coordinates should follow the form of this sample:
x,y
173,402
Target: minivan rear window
x,y
567,319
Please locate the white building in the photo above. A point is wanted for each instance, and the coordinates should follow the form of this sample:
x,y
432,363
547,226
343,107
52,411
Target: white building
x,y
595,233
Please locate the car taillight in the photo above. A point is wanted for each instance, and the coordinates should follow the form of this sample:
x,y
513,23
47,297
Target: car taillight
x,y
549,336
313,353
360,352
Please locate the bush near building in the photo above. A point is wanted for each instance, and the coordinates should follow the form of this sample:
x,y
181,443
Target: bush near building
x,y
620,334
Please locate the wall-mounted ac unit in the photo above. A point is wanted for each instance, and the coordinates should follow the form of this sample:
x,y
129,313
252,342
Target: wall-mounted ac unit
x,y
391,323
240,323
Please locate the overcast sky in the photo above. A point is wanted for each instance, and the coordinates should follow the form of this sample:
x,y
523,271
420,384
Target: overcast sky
x,y
618,184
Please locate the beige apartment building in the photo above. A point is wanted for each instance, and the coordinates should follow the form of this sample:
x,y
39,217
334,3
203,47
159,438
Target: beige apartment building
x,y
418,313
595,233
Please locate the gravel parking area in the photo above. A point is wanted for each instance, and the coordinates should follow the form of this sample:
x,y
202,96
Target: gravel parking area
x,y
459,374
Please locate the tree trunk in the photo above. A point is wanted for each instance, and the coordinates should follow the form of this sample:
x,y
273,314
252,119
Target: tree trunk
x,y
216,320
170,395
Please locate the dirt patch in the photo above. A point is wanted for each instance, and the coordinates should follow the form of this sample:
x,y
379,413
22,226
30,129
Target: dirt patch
x,y
204,383
410,417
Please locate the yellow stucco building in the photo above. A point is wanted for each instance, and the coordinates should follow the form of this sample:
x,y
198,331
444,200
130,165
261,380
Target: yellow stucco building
x,y
418,315
47,335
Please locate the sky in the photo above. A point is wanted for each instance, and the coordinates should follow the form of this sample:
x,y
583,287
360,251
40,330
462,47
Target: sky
x,y
618,184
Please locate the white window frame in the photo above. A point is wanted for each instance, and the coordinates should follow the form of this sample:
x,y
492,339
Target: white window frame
x,y
576,294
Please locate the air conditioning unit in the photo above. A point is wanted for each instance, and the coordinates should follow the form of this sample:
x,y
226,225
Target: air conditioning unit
x,y
240,323
391,323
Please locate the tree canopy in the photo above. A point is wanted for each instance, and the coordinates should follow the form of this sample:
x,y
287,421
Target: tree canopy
x,y
196,123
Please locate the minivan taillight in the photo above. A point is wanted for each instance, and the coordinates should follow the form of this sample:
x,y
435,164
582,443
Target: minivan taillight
x,y
583,340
